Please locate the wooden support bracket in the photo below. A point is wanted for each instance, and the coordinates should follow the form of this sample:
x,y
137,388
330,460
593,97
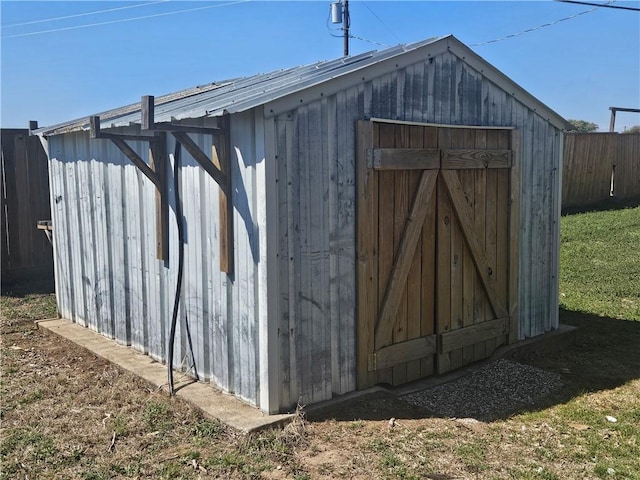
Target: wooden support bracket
x,y
156,172
218,167
147,122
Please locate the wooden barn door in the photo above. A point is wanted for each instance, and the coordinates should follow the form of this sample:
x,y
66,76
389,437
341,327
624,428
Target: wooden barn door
x,y
437,248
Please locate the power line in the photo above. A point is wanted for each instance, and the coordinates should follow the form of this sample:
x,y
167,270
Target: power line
x,y
533,29
83,14
605,5
123,20
380,20
367,40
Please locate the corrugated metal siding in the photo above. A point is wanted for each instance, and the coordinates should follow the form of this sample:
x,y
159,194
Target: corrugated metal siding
x,y
110,280
315,151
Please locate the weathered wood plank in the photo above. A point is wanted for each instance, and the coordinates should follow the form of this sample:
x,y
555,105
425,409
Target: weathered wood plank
x,y
443,270
284,327
400,209
414,284
480,332
428,266
445,218
514,237
158,162
490,234
401,353
319,249
588,163
473,158
456,265
627,175
221,159
469,277
404,158
22,223
384,136
367,261
502,236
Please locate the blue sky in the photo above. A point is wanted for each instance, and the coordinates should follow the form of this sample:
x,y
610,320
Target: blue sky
x,y
579,67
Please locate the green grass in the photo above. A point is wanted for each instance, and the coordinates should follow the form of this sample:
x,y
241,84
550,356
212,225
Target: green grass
x,y
600,263
156,416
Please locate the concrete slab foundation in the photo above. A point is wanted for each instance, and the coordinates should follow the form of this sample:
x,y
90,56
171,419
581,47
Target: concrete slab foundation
x,y
243,417
212,402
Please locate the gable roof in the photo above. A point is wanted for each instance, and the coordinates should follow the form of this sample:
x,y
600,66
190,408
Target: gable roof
x,y
283,89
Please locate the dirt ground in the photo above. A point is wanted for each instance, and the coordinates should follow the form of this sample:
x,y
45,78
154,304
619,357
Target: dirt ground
x,y
68,414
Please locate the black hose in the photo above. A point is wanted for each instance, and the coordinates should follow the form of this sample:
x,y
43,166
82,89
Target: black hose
x,y
176,301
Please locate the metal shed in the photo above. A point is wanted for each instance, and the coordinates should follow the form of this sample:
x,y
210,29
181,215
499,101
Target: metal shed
x,y
376,218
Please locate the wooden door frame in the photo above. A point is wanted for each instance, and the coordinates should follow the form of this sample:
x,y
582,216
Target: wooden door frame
x,y
367,225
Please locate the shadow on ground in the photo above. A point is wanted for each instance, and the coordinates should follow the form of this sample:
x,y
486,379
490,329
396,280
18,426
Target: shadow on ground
x,y
612,203
32,287
601,353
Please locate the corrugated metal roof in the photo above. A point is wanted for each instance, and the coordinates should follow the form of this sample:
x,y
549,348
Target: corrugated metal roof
x,y
235,95
241,94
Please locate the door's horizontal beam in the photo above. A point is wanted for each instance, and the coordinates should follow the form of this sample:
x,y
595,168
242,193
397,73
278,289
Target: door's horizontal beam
x,y
436,158
404,158
478,333
402,352
462,159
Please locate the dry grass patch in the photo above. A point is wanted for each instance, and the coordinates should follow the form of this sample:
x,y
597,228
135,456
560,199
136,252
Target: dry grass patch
x,y
69,414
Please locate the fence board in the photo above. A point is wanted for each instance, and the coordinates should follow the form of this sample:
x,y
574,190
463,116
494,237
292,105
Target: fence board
x,y
590,159
627,173
26,252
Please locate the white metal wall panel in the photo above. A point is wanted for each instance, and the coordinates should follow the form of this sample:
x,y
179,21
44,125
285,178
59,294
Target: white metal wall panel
x,y
105,256
315,151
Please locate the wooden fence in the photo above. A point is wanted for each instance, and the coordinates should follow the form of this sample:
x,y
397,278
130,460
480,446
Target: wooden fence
x,y
26,251
599,166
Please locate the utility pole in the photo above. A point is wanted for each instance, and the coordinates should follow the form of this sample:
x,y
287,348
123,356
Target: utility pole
x,y
346,23
340,14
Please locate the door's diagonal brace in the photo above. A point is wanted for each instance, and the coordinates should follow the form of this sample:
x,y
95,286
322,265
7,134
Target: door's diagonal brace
x,y
403,259
465,218
156,173
218,167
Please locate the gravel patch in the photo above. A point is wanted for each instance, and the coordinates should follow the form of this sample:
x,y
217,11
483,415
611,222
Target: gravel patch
x,y
495,390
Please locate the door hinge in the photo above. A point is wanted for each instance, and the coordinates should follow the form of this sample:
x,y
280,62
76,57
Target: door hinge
x,y
369,157
372,362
